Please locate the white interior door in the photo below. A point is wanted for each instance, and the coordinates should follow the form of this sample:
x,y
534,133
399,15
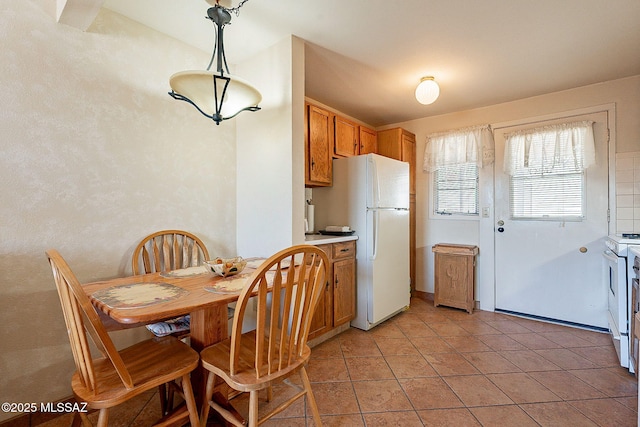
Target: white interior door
x,y
553,268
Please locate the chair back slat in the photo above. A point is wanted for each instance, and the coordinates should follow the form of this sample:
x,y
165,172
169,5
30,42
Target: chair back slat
x,y
167,256
75,330
287,288
168,250
146,262
81,317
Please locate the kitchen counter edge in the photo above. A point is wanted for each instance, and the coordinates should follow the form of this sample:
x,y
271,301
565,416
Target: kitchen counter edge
x,y
320,239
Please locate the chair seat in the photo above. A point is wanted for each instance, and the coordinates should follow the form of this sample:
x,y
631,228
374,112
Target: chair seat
x,y
215,358
150,363
171,327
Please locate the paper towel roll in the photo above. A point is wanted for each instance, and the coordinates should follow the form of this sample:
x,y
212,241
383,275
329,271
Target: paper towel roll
x,y
310,217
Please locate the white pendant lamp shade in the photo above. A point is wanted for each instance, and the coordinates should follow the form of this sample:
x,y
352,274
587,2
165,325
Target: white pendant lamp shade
x,y
198,86
427,91
216,94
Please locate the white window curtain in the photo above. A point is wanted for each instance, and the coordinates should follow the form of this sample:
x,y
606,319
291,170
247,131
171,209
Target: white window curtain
x,y
550,149
468,145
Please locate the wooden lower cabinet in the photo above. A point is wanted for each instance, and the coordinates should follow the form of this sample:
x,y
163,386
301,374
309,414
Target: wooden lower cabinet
x,y
338,304
454,283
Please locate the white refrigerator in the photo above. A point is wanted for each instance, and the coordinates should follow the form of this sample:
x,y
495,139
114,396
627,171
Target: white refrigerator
x,y
370,193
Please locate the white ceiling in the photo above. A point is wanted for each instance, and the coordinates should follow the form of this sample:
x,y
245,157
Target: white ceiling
x,y
365,57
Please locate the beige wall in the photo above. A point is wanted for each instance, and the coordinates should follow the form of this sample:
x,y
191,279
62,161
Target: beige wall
x,y
623,93
270,172
93,156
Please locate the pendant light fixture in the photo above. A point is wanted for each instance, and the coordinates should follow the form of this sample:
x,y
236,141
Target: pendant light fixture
x,y
427,91
216,93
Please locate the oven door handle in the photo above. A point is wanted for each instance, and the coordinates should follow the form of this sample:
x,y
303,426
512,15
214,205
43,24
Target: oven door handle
x,y
610,256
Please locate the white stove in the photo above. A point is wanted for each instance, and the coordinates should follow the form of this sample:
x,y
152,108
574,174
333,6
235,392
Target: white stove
x,y
619,243
618,274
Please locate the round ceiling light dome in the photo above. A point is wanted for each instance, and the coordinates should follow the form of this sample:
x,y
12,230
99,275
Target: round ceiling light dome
x,y
427,91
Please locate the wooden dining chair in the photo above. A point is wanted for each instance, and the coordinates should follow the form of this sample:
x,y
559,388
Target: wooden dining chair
x,y
287,288
168,250
117,376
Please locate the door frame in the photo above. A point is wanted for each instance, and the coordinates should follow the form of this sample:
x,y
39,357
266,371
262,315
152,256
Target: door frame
x,y
486,292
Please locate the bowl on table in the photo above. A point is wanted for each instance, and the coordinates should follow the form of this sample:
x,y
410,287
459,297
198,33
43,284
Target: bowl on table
x,y
226,267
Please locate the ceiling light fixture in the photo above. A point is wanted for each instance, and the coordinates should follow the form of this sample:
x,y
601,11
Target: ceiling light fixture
x,y
216,94
427,91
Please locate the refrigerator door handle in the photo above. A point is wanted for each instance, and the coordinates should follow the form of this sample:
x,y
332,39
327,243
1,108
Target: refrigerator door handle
x,y
376,222
376,186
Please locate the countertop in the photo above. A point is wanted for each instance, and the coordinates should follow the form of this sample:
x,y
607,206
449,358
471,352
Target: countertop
x,y
320,239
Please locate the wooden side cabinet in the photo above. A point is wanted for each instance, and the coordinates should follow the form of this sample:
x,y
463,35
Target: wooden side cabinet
x,y
338,304
455,275
318,147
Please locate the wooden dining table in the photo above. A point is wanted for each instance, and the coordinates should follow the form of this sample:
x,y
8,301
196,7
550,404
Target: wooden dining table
x,y
154,297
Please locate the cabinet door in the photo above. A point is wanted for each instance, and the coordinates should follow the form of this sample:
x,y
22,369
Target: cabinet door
x,y
389,143
346,137
344,291
319,146
454,280
322,321
368,140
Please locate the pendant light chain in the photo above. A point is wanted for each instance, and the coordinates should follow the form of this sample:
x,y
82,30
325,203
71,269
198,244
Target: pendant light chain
x,y
236,9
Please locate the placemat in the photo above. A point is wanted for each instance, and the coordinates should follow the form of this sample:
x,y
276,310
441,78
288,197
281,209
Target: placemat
x,y
186,272
234,284
137,295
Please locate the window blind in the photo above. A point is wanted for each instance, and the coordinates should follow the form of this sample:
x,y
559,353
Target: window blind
x,y
456,189
549,196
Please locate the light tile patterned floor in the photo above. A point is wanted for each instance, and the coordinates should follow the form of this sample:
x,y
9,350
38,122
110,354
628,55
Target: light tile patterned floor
x,y
444,367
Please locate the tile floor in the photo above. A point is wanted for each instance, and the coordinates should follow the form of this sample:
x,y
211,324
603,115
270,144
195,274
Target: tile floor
x,y
443,367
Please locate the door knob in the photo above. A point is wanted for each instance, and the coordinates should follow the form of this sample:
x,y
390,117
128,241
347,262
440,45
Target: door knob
x,y
501,223
500,229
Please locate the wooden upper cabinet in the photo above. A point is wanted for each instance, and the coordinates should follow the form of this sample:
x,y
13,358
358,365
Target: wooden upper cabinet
x,y
347,137
318,147
400,144
368,140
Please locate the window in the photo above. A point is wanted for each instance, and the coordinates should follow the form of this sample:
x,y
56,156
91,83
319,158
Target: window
x,y
456,189
546,166
454,158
